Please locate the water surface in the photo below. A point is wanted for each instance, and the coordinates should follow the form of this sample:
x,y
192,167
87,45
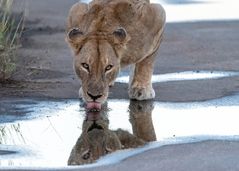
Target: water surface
x,y
43,133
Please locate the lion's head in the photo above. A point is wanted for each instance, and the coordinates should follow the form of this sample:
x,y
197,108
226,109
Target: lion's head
x,y
97,47
95,141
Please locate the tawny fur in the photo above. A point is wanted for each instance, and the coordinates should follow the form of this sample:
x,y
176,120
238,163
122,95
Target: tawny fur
x,y
99,45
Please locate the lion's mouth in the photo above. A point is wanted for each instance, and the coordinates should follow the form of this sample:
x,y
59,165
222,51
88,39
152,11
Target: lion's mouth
x,y
93,111
93,107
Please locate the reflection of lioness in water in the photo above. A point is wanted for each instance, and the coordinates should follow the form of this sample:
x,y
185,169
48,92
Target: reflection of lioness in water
x,y
106,35
98,140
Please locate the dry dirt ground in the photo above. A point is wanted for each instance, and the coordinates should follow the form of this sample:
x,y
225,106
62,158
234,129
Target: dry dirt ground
x,y
45,71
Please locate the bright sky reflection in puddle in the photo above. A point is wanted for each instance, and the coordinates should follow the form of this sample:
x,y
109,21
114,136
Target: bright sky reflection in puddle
x,y
183,76
48,139
201,10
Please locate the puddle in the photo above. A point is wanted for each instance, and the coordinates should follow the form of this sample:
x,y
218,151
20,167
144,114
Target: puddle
x,y
43,133
184,76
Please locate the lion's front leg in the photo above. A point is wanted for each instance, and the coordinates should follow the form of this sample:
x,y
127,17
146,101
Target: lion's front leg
x,y
140,85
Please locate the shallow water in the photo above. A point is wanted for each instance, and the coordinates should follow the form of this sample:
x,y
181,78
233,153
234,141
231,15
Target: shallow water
x,y
184,76
42,132
191,10
45,134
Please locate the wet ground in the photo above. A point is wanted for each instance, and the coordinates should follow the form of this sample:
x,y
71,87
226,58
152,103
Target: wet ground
x,y
42,132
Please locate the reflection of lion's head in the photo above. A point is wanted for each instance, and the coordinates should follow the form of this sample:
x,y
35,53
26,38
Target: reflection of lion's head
x,y
96,140
97,43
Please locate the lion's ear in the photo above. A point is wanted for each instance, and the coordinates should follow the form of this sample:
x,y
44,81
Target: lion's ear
x,y
74,38
74,34
120,36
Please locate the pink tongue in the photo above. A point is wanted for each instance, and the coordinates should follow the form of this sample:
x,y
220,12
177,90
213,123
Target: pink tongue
x,y
93,105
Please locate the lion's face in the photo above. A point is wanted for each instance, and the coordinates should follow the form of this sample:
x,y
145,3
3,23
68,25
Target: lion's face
x,y
97,66
95,141
97,60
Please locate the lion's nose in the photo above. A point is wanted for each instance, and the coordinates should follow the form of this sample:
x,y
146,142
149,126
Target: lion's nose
x,y
94,97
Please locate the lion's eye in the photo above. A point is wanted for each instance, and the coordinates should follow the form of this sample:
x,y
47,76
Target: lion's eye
x,y
109,67
86,66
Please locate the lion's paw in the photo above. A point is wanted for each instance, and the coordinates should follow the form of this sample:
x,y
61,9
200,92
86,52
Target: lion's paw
x,y
141,93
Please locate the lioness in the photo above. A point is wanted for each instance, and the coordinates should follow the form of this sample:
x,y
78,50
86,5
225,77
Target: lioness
x,y
106,35
97,139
